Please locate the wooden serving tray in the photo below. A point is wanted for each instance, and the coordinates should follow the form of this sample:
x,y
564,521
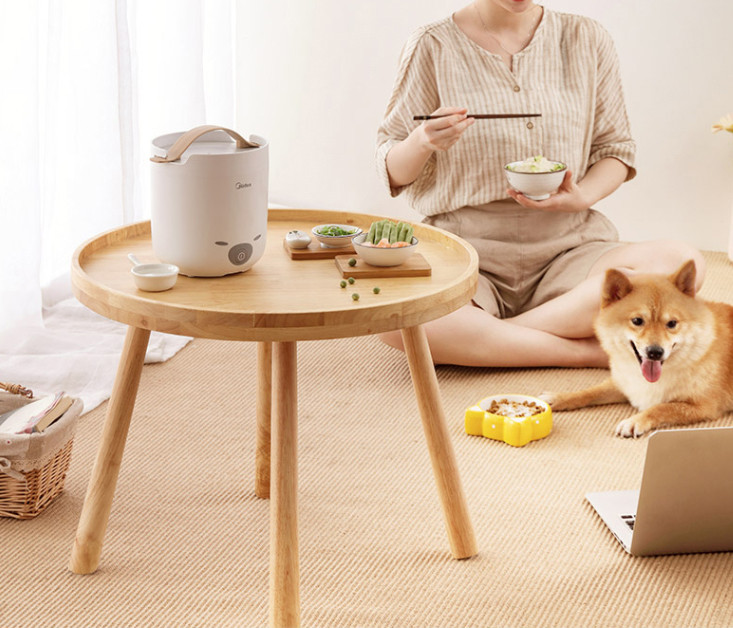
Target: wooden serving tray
x,y
315,251
415,266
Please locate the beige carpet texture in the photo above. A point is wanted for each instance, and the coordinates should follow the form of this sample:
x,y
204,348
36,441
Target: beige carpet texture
x,y
188,541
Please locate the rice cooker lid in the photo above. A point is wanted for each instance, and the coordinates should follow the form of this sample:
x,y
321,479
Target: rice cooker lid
x,y
212,143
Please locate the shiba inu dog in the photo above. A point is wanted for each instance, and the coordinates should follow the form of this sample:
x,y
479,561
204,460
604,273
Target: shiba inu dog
x,y
670,354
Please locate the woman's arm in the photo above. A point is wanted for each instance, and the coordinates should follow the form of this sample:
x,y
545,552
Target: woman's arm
x,y
406,159
603,178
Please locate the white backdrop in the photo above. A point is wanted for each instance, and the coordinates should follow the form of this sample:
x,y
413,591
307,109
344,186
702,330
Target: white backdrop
x,y
314,78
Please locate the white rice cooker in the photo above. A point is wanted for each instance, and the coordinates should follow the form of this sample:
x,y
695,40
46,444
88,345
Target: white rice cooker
x,y
209,200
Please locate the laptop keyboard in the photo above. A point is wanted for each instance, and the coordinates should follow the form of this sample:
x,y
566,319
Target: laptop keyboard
x,y
629,520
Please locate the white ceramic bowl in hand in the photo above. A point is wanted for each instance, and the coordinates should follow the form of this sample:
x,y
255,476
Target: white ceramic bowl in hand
x,y
383,256
535,185
335,241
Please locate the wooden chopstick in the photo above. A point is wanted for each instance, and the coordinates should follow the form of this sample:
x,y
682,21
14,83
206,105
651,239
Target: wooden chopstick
x,y
482,116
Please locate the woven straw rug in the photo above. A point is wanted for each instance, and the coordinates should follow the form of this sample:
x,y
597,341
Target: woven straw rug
x,y
187,542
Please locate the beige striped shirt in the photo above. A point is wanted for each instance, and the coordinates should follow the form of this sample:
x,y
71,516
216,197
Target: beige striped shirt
x,y
569,73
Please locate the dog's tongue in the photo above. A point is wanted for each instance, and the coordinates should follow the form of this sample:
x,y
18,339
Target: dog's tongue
x,y
651,369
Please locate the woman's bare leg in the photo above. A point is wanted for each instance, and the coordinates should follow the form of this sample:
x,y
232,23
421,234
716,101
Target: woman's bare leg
x,y
472,337
571,314
556,333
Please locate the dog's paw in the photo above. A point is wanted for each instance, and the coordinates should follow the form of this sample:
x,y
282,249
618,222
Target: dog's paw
x,y
633,427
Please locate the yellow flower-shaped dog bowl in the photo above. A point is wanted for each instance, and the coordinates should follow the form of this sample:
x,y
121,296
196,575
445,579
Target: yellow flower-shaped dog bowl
x,y
514,419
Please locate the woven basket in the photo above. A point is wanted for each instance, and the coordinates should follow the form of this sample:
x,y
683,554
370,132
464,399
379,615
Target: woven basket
x,y
33,466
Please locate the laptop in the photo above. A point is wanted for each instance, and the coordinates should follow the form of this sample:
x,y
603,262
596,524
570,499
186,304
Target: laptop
x,y
685,503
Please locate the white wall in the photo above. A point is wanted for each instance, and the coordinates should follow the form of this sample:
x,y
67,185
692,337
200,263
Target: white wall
x,y
314,77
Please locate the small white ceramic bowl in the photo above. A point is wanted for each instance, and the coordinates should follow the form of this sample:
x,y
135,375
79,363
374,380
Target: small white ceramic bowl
x,y
376,256
535,185
335,242
153,277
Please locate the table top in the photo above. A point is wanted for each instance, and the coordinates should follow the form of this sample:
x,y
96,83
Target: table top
x,y
278,299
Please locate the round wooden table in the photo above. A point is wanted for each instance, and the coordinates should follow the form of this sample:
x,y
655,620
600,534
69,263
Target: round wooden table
x,y
276,303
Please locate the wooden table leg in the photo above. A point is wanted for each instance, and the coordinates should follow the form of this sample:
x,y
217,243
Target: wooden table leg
x,y
445,469
101,489
264,413
284,567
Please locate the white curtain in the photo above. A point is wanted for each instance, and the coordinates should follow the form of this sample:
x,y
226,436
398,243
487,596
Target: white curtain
x,y
86,85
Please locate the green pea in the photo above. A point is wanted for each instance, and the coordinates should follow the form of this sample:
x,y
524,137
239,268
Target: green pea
x,y
343,284
355,296
351,280
352,262
375,289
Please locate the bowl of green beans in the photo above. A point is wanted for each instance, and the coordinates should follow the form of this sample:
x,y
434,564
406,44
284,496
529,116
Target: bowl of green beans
x,y
387,243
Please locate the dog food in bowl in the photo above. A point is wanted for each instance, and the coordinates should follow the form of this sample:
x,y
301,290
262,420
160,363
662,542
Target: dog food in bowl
x,y
513,419
515,408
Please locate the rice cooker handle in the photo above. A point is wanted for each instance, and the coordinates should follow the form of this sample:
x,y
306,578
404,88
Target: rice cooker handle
x,y
189,137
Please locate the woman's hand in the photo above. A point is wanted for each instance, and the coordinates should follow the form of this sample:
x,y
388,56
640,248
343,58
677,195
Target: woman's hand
x,y
407,158
441,133
602,178
568,198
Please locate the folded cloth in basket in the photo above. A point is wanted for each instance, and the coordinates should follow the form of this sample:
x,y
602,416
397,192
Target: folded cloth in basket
x,y
29,450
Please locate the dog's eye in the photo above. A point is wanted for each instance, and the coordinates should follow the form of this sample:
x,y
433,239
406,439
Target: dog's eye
x,y
671,324
637,321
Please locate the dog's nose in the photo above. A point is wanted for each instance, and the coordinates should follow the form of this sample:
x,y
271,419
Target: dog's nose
x,y
654,352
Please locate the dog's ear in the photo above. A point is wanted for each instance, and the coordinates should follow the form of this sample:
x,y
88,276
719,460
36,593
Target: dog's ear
x,y
615,287
684,278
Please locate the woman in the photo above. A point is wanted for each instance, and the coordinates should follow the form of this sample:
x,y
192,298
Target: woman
x,y
541,262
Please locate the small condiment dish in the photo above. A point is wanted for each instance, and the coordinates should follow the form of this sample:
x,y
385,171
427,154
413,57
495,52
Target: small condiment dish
x,y
153,277
335,241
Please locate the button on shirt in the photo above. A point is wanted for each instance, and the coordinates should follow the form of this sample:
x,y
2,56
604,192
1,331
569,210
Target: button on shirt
x,y
568,73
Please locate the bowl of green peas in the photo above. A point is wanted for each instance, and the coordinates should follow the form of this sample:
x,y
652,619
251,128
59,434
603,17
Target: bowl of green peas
x,y
335,236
